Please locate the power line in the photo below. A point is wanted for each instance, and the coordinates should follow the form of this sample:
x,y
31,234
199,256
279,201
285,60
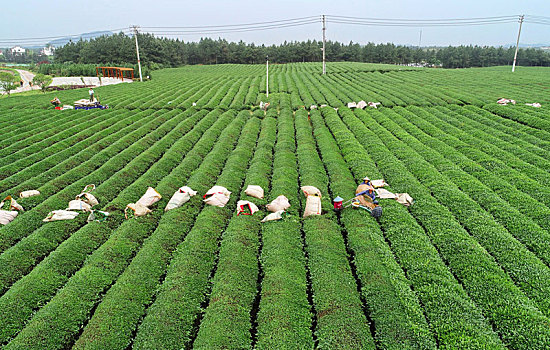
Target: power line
x,y
239,25
236,30
425,20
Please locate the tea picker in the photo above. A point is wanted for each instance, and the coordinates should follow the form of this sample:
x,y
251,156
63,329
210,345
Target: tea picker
x,y
365,198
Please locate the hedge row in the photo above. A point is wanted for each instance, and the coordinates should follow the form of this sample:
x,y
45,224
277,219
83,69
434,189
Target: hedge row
x,y
85,288
67,134
453,317
32,291
529,272
511,154
383,280
21,135
170,319
103,165
19,259
340,319
513,315
491,192
520,116
284,317
87,139
227,321
36,177
513,178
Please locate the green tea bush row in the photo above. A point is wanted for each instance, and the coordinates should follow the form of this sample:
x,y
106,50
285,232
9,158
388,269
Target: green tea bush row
x,y
45,158
59,163
513,315
531,180
340,320
66,129
61,190
85,288
18,259
28,293
396,326
454,319
284,317
529,272
539,138
515,154
227,319
170,319
520,116
33,123
501,203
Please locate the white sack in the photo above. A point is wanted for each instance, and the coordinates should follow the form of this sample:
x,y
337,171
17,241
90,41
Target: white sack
x,y
385,194
274,216
88,198
255,191
378,183
312,107
7,216
505,101
243,206
13,205
217,199
352,104
373,104
180,197
310,191
137,208
361,104
217,189
536,104
404,199
150,197
313,206
29,193
58,215
79,205
278,204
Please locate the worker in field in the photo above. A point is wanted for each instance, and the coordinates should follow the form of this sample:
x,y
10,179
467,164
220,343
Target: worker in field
x,y
91,92
365,193
55,102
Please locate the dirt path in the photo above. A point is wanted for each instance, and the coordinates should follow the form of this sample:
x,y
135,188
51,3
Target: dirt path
x,y
27,77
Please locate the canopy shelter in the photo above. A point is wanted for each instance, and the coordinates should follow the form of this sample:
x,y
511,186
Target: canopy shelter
x,y
116,72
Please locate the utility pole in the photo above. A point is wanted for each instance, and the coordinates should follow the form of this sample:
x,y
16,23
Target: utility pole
x,y
324,46
267,76
517,42
420,40
137,50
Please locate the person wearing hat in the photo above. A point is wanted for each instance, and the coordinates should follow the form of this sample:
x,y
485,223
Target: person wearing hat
x,y
365,190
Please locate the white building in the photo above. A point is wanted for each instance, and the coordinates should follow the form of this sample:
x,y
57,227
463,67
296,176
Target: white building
x,y
17,50
47,51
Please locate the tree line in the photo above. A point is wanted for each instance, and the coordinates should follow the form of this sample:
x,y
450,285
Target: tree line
x,y
164,52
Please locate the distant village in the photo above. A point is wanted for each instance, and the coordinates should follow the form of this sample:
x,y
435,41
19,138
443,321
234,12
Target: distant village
x,y
18,54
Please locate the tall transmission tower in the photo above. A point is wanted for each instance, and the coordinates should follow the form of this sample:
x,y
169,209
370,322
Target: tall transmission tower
x,y
135,29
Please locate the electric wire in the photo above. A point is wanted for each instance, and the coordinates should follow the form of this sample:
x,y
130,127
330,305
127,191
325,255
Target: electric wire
x,y
239,25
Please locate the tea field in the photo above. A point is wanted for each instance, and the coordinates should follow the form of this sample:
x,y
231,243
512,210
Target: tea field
x,y
466,266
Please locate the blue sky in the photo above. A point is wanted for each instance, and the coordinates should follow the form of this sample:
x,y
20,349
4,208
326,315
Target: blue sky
x,y
34,18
